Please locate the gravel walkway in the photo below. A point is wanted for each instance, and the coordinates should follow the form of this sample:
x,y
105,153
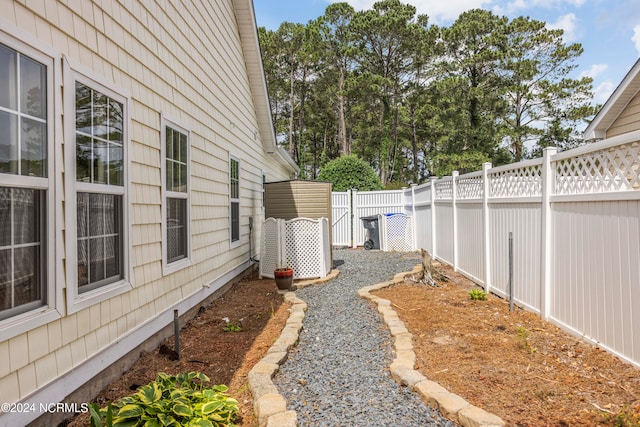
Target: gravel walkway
x,y
338,375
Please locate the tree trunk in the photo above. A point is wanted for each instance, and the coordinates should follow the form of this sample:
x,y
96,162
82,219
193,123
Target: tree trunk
x,y
382,147
301,124
342,124
291,115
414,143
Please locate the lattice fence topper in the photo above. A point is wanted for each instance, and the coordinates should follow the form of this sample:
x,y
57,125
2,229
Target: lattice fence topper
x,y
612,169
470,188
396,233
444,189
521,182
301,243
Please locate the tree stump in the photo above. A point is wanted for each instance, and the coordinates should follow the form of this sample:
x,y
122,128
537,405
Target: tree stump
x,y
427,269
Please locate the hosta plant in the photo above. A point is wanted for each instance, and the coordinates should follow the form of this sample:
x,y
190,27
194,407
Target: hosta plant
x,y
477,294
170,400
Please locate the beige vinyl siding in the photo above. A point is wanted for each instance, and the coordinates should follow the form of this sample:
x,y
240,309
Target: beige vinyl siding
x,y
628,120
184,61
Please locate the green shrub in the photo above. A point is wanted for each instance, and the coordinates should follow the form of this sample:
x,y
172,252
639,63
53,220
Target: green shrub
x,y
349,172
180,400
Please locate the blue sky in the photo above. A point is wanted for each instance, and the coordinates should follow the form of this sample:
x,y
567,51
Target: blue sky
x,y
609,30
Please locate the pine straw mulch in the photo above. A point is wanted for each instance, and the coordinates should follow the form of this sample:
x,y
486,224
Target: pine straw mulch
x,y
512,364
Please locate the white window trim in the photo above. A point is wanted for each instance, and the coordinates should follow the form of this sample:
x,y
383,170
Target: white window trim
x,y
26,44
237,243
78,301
168,268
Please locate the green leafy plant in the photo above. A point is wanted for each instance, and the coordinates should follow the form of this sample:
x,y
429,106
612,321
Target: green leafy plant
x,y
522,334
629,416
231,327
170,400
477,294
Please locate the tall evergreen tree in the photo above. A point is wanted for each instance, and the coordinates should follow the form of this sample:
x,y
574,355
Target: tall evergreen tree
x,y
339,51
413,99
386,35
543,102
472,86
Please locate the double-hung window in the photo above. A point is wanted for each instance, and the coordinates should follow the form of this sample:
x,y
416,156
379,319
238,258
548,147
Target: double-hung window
x,y
25,217
100,187
234,198
96,153
176,217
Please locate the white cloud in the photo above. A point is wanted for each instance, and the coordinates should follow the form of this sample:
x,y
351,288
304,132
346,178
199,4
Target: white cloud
x,y
444,12
603,92
594,71
636,37
515,6
569,24
439,11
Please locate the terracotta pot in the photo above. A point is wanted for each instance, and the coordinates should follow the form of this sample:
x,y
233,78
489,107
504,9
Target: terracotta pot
x,y
283,278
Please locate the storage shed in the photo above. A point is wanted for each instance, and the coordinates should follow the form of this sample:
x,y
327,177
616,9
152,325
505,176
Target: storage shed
x,y
298,198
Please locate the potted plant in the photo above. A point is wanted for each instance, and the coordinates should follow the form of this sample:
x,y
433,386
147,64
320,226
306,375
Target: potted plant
x,y
283,276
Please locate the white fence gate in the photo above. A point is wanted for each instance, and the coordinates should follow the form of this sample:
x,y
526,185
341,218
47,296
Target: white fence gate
x,y
368,203
342,218
349,206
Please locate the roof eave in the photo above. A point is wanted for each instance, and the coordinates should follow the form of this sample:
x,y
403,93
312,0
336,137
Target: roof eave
x,y
617,102
248,28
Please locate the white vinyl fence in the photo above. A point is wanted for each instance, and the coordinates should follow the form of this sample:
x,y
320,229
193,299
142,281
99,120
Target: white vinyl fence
x,y
349,207
342,215
575,221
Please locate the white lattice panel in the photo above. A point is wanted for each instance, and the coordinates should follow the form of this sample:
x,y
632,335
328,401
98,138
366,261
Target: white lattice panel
x,y
612,169
269,248
300,243
444,189
398,233
521,182
303,246
470,188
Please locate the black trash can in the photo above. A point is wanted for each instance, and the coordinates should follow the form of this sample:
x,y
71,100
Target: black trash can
x,y
372,236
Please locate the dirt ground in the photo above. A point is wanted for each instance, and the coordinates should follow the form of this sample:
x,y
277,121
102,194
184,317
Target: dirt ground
x,y
225,357
513,364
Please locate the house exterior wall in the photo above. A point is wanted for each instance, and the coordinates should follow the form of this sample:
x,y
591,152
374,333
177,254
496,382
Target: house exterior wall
x,y
628,120
183,64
